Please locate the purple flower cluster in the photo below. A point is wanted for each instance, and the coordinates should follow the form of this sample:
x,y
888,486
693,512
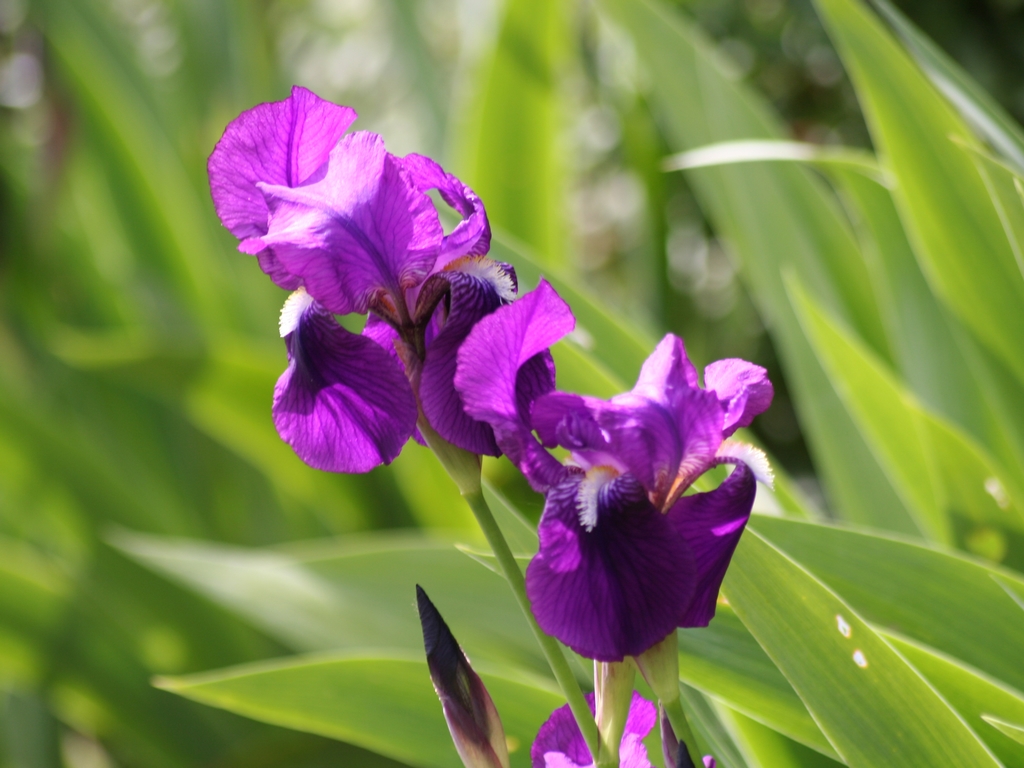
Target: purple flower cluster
x,y
628,552
350,228
638,557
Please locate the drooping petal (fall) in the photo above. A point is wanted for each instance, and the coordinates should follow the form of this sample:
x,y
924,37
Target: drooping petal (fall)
x,y
503,365
343,404
612,576
360,231
472,235
712,524
478,286
284,143
559,743
742,388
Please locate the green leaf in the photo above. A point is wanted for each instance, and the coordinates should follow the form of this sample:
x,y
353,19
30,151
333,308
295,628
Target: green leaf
x,y
724,661
947,601
772,216
381,702
970,693
1015,732
873,707
977,107
937,469
770,749
940,194
510,147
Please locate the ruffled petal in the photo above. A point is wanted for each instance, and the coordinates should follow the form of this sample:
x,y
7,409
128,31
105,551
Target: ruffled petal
x,y
666,372
478,287
612,576
712,524
362,230
559,743
496,384
343,404
282,142
658,444
472,235
742,388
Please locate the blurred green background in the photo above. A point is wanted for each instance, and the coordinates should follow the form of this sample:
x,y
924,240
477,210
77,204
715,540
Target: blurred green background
x,y
138,349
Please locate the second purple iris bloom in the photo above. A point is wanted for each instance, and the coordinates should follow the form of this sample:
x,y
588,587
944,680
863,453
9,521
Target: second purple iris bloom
x,y
625,557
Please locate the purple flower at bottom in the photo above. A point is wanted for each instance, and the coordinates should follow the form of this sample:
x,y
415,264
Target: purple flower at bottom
x,y
336,217
625,555
559,743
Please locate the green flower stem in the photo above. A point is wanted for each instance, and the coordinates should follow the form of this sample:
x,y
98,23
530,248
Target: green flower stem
x,y
552,651
681,728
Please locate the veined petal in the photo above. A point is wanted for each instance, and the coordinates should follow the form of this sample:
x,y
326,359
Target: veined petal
x,y
617,589
666,372
559,743
478,286
343,404
504,364
283,142
362,229
472,235
712,524
742,388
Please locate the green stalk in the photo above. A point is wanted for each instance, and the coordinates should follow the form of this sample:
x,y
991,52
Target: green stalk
x,y
552,651
464,468
681,728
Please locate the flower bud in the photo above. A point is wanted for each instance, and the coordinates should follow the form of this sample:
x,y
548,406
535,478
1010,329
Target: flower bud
x,y
675,752
613,693
472,718
659,665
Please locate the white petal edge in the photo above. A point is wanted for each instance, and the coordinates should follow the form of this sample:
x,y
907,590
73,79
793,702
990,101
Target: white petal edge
x,y
733,451
293,309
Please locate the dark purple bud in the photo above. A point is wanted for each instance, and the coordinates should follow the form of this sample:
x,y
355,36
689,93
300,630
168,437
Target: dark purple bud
x,y
675,751
472,717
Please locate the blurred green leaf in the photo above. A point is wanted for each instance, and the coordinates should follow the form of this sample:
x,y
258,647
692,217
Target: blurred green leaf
x,y
977,107
940,195
1015,732
886,715
510,147
384,703
772,216
767,747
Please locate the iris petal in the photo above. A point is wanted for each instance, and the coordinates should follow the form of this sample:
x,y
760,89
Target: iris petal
x,y
742,388
617,589
282,142
361,230
559,743
343,404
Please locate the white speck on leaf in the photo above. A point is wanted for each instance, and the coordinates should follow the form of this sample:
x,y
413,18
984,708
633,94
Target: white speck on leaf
x,y
859,659
844,627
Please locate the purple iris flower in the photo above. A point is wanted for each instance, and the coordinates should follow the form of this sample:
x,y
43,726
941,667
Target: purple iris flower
x,y
625,557
559,743
350,228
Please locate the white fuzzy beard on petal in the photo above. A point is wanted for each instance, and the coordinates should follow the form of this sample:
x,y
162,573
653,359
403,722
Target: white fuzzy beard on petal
x,y
753,457
587,495
293,309
489,271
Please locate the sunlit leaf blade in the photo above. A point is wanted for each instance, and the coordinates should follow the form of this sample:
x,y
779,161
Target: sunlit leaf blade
x,y
949,602
773,216
971,694
708,721
760,150
887,714
382,702
509,148
949,216
976,106
767,747
1015,732
938,469
725,661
